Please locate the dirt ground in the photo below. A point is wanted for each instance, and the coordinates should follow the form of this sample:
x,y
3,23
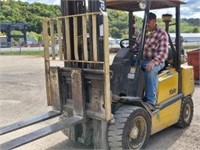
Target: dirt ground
x,y
22,95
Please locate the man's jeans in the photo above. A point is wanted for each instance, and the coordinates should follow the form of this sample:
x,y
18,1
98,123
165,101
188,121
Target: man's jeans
x,y
151,79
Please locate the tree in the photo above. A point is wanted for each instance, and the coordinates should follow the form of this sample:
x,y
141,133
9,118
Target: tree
x,y
32,35
114,32
195,30
23,12
118,23
1,34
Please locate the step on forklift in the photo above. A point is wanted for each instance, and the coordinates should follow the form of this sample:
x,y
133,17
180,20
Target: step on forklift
x,y
101,103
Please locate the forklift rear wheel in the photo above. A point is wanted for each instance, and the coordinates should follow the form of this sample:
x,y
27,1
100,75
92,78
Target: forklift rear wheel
x,y
131,128
186,112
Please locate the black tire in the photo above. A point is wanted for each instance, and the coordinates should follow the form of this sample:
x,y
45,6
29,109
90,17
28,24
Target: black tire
x,y
186,112
131,128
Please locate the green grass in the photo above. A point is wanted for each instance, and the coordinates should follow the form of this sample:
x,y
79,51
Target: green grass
x,y
33,53
41,53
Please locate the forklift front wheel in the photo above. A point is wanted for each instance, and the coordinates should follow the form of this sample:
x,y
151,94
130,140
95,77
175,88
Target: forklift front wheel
x,y
131,129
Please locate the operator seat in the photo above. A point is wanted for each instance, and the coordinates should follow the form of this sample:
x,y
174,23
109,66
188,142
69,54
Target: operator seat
x,y
168,61
120,69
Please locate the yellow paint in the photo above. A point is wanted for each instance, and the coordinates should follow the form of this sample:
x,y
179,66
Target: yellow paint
x,y
167,88
187,79
167,85
166,117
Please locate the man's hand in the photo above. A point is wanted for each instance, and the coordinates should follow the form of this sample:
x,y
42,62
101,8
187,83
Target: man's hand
x,y
150,66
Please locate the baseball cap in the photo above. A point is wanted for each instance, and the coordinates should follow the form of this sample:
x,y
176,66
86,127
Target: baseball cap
x,y
151,16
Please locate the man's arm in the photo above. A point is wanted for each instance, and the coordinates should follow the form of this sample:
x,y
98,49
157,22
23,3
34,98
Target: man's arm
x,y
162,49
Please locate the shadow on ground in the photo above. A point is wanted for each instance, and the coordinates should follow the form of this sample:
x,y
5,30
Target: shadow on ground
x,y
164,139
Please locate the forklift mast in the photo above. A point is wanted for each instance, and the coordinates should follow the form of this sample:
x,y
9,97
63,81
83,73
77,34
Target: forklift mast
x,y
78,51
69,7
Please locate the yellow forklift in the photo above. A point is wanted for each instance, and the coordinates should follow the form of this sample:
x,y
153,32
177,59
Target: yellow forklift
x,y
100,103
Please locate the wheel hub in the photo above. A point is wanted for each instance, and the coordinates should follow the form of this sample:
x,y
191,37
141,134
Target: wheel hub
x,y
137,133
134,133
187,113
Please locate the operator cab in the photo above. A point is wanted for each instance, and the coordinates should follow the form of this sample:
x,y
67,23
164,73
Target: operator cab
x,y
125,67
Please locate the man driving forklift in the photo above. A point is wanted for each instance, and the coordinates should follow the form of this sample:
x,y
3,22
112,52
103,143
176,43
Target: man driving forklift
x,y
154,55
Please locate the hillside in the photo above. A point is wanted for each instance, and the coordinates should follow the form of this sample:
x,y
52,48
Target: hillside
x,y
32,14
192,21
23,12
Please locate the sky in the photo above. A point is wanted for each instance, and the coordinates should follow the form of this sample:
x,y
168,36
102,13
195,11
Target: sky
x,y
189,10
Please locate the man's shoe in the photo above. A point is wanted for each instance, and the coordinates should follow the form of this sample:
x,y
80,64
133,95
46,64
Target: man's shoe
x,y
152,107
157,106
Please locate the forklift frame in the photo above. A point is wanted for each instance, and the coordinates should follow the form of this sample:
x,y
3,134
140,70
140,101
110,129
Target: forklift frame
x,y
78,76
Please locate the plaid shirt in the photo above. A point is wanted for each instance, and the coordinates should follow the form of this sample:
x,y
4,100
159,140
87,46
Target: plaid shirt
x,y
156,46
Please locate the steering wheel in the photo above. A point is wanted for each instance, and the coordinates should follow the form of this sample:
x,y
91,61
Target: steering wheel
x,y
128,43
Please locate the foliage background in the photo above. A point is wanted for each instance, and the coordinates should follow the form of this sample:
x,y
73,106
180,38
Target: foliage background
x,y
22,12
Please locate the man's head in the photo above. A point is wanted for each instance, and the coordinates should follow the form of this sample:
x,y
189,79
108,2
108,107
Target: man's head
x,y
151,22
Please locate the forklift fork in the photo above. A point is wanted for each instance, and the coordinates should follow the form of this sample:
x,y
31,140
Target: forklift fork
x,y
76,118
28,122
38,133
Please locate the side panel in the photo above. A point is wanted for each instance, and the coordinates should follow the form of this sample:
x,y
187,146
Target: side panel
x,y
166,117
187,80
54,88
77,92
167,86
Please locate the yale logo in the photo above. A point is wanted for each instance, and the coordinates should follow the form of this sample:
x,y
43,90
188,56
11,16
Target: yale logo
x,y
172,91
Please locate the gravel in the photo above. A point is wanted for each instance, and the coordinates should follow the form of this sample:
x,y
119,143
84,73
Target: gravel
x,y
23,94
